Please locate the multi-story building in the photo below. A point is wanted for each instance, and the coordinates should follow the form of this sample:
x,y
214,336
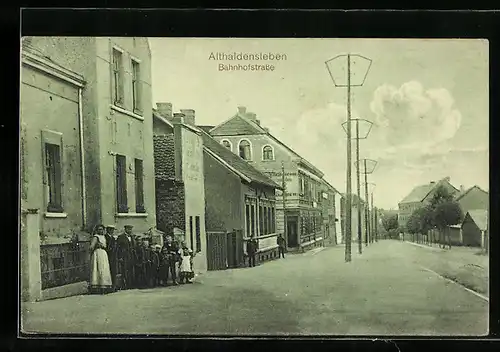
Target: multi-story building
x,y
420,196
86,141
180,186
244,136
329,203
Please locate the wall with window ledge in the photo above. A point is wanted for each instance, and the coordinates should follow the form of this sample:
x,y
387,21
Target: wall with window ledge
x,y
50,104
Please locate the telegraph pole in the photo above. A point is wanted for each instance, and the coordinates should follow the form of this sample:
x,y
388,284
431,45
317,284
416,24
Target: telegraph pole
x,y
374,224
348,176
367,208
283,185
338,81
360,240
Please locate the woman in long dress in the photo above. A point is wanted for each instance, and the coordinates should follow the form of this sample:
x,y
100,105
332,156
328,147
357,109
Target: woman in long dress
x,y
100,273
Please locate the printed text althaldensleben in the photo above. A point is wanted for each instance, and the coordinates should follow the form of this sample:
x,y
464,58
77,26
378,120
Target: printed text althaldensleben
x,y
239,56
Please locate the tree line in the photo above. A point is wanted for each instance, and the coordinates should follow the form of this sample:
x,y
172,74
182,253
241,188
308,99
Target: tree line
x,y
435,216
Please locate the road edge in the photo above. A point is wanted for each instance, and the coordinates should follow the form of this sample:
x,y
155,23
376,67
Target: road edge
x,y
485,298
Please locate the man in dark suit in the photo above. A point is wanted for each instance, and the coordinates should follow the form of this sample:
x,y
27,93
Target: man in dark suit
x,y
251,251
169,257
281,246
111,250
126,256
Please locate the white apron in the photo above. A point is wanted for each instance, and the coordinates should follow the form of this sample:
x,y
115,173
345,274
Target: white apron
x,y
100,273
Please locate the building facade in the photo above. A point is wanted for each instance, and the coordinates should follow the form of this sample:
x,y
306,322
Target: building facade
x,y
239,200
419,197
244,136
86,146
180,189
117,125
329,203
354,218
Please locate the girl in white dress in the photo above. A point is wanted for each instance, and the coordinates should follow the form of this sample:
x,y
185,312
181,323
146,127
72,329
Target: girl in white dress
x,y
100,273
186,264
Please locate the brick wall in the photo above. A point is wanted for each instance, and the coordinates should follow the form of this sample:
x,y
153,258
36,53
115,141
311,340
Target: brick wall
x,y
170,205
164,156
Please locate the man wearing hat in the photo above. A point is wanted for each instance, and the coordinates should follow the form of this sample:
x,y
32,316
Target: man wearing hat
x,y
169,258
126,256
155,264
110,248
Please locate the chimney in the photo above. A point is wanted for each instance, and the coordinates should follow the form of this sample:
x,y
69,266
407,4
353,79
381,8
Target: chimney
x,y
189,116
251,116
462,188
447,178
433,182
178,117
242,110
257,122
164,109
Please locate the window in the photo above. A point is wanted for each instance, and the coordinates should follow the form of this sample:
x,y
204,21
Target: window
x,y
252,218
269,221
245,150
248,219
266,221
267,153
227,144
117,79
273,220
139,187
261,220
53,177
198,235
136,87
191,239
121,184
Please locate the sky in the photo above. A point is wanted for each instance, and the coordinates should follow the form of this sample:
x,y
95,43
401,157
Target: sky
x,y
426,99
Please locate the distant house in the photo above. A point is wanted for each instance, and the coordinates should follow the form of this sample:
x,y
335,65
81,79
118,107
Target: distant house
x,y
420,196
240,203
472,199
475,228
329,203
355,200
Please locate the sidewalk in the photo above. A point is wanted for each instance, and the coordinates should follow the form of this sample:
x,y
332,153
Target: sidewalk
x,y
461,264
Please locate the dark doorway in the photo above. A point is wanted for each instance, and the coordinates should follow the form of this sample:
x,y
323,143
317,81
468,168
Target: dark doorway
x,y
291,230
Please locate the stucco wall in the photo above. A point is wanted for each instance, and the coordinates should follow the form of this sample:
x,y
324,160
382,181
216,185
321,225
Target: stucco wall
x,y
48,103
223,197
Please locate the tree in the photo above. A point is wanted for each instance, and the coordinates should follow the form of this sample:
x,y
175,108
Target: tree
x,y
444,215
390,224
444,212
420,221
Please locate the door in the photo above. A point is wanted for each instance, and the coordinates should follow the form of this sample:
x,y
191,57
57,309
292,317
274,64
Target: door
x,y
291,229
232,254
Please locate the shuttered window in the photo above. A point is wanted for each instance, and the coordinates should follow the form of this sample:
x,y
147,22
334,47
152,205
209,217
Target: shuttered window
x,y
139,187
53,175
117,78
136,87
121,184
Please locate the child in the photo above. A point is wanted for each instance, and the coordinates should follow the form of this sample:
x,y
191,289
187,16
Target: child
x,y
185,264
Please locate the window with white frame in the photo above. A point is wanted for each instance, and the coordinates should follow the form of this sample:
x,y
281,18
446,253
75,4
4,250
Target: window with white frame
x,y
117,77
267,153
136,87
53,177
245,149
227,144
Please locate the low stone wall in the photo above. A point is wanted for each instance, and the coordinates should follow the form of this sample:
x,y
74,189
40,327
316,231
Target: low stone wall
x,y
266,254
318,242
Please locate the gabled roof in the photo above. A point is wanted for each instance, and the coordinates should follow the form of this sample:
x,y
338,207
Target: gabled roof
x,y
480,218
464,193
236,163
419,193
239,125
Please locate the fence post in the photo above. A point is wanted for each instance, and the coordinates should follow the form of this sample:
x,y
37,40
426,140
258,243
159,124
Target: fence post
x,y
31,275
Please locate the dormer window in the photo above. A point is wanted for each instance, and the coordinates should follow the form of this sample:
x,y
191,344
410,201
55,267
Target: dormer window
x,y
245,149
227,144
267,153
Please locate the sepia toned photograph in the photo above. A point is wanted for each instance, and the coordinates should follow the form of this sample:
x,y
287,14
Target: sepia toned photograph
x,y
254,186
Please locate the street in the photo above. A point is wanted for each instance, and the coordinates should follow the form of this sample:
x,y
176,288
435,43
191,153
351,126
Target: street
x,y
384,291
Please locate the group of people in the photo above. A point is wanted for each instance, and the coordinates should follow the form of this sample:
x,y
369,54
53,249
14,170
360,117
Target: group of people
x,y
130,261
